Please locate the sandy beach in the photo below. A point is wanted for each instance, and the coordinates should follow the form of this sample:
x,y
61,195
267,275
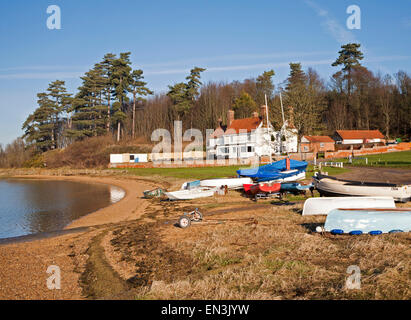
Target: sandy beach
x,y
23,265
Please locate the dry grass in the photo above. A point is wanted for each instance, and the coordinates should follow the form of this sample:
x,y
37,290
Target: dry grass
x,y
277,258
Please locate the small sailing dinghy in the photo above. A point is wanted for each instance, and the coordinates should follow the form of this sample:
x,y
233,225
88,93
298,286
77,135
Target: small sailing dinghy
x,y
331,186
318,206
200,192
373,221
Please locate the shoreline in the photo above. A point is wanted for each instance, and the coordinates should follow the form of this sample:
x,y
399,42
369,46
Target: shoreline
x,y
130,207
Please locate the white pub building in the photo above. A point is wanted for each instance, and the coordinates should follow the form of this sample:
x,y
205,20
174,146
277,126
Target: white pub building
x,y
250,137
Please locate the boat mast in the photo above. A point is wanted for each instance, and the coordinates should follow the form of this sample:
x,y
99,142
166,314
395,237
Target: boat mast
x,y
268,130
282,109
281,131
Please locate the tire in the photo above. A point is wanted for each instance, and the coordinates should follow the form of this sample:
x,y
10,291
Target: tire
x,y
184,222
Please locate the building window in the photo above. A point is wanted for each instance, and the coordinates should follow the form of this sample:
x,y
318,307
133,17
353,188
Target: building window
x,y
322,145
305,149
249,149
244,149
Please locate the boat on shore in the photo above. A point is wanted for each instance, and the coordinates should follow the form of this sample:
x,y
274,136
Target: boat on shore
x,y
280,171
295,187
322,206
200,192
231,183
155,193
261,188
284,176
372,221
331,186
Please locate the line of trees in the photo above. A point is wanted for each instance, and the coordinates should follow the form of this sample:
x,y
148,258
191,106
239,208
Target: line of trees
x,y
114,100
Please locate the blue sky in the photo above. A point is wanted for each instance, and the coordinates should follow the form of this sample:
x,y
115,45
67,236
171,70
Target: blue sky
x,y
233,39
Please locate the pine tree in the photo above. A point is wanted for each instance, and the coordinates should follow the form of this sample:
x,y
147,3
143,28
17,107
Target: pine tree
x,y
183,95
139,89
89,118
265,86
61,100
45,127
107,67
121,79
178,95
349,58
38,127
244,105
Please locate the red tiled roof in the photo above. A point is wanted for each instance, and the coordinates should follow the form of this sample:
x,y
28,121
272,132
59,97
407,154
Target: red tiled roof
x,y
248,124
360,134
314,139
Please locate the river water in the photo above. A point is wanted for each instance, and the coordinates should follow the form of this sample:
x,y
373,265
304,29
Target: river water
x,y
31,206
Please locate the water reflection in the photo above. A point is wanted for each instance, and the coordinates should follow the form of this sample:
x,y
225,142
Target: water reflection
x,y
31,206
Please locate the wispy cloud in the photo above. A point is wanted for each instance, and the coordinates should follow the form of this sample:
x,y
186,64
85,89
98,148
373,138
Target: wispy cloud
x,y
40,68
242,67
333,26
237,57
41,75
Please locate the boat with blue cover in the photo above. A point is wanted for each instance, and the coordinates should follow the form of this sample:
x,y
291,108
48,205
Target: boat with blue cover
x,y
372,221
279,171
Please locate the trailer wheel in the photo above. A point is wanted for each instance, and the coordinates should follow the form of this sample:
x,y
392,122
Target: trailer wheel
x,y
184,222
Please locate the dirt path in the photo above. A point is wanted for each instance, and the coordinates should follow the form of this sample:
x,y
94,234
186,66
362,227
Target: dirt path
x,y
391,175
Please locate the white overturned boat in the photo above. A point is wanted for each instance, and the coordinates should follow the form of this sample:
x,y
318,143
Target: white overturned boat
x,y
373,221
231,183
330,186
317,206
200,192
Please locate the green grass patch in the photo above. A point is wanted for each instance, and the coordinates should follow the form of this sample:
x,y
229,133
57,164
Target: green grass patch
x,y
401,159
186,173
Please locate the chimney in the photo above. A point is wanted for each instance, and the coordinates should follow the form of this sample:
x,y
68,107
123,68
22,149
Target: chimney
x,y
263,111
255,114
230,117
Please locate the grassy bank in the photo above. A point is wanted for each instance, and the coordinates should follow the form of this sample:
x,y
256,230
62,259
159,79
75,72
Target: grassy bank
x,y
400,159
208,172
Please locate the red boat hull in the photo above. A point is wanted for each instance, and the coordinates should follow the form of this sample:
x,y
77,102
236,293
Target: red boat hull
x,y
253,189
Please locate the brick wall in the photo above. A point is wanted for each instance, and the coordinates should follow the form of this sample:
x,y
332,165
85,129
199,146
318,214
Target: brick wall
x,y
382,149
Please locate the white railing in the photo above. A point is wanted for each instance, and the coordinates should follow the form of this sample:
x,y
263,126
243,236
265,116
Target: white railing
x,y
331,164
